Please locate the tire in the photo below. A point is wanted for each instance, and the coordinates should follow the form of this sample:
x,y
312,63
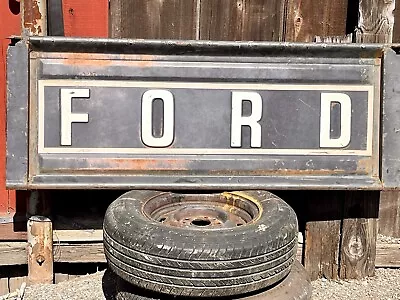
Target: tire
x,y
296,286
192,245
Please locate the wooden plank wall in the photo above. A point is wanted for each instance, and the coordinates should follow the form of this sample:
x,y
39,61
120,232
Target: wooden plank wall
x,y
258,20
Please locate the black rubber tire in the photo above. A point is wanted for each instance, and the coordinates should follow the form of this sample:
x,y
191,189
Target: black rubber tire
x,y
296,286
199,262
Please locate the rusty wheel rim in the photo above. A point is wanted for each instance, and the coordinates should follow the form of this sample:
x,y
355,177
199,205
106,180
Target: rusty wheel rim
x,y
204,211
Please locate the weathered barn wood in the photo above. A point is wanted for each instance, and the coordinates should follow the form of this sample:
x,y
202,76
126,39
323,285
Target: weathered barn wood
x,y
79,253
389,214
154,19
387,255
359,233
13,253
248,20
307,19
396,27
16,282
4,286
376,20
322,233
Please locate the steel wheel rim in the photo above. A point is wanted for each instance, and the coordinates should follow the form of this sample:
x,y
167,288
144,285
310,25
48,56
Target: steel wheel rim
x,y
202,211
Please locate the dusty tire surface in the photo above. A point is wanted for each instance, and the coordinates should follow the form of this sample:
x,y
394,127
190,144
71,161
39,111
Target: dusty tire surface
x,y
296,286
200,245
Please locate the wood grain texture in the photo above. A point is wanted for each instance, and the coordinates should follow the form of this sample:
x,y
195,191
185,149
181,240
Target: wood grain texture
x,y
249,20
322,234
387,256
389,213
376,21
359,233
4,286
79,253
94,235
153,19
306,19
396,26
13,253
15,282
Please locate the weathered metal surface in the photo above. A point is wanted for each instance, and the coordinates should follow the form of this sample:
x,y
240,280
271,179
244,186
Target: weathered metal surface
x,y
17,107
40,250
225,48
55,18
34,17
205,211
391,121
107,147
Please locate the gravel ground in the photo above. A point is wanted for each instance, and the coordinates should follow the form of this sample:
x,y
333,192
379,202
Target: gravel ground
x,y
384,286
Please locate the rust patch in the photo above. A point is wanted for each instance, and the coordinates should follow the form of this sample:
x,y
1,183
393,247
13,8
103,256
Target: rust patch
x,y
142,61
137,164
284,172
33,18
86,62
365,165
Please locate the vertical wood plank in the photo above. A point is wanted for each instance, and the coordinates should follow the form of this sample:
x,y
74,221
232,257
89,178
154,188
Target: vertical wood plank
x,y
322,233
4,286
15,282
153,19
221,19
249,20
306,19
389,214
396,26
376,20
87,18
359,232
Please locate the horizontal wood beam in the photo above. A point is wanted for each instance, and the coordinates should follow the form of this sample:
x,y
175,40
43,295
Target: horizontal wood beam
x,y
14,253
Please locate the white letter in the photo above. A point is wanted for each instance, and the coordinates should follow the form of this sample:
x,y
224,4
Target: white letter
x,y
67,117
147,122
238,120
345,117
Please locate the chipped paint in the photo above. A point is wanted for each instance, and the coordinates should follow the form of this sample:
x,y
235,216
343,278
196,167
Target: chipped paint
x,y
34,17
